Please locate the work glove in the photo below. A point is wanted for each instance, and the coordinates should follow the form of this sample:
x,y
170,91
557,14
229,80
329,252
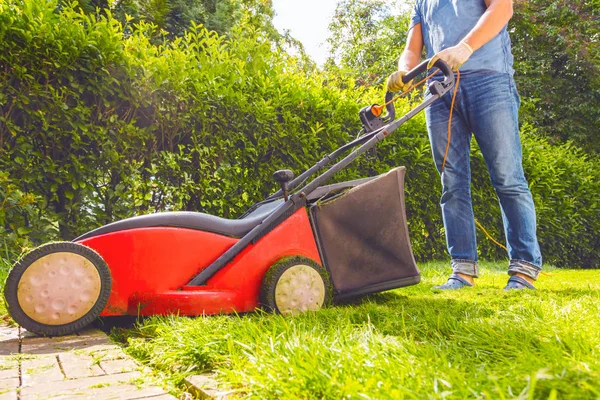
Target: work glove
x,y
454,56
395,84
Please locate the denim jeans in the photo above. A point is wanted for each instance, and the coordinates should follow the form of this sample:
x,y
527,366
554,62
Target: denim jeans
x,y
486,105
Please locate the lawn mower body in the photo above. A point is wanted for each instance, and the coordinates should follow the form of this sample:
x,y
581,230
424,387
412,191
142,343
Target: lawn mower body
x,y
295,251
152,258
152,266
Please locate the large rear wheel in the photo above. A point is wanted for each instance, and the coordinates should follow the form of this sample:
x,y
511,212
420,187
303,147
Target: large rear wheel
x,y
58,288
294,285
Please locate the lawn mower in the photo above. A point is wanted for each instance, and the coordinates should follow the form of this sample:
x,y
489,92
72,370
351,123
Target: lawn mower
x,y
297,250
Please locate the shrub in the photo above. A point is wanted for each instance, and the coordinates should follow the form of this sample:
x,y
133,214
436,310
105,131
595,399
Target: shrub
x,y
565,183
99,125
20,219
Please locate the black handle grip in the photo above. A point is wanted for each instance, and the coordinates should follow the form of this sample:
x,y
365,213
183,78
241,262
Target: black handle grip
x,y
419,69
283,175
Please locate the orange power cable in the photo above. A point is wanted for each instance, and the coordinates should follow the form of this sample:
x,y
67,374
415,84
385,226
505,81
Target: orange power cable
x,y
450,119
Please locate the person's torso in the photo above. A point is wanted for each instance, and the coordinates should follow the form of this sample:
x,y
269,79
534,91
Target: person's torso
x,y
445,23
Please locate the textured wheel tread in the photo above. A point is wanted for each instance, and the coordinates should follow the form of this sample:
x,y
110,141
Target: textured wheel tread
x,y
12,284
269,283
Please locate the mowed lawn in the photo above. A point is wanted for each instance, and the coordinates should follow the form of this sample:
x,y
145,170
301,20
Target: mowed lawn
x,y
411,343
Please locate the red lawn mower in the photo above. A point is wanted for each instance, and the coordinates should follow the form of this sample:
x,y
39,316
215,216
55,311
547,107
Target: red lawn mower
x,y
297,250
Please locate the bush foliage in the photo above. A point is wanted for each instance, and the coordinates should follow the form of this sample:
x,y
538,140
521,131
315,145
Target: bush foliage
x,y
557,63
97,125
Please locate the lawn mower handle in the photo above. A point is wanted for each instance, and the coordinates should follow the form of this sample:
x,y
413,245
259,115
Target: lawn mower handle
x,y
410,75
298,200
437,89
419,69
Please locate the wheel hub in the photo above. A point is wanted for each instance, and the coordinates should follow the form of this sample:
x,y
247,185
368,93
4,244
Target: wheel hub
x,y
300,288
59,288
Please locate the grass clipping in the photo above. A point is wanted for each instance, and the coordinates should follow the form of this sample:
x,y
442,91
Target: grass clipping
x,y
407,343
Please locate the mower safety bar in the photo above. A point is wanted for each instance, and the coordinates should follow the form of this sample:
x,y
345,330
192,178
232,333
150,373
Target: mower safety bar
x,y
419,69
298,199
437,89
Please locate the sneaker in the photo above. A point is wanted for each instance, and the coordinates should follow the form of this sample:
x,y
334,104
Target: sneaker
x,y
454,282
516,282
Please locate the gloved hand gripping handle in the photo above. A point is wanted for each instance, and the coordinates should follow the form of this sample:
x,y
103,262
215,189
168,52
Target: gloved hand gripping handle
x,y
419,69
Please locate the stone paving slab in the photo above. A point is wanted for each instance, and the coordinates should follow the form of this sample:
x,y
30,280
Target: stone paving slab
x,y
57,345
9,346
9,384
205,387
118,386
9,395
82,366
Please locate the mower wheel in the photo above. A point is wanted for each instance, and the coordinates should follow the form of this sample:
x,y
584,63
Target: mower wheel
x,y
57,288
295,284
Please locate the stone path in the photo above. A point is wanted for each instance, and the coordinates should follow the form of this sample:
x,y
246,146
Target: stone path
x,y
82,366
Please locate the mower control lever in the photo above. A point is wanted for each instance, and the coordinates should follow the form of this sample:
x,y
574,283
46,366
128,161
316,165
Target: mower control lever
x,y
419,69
283,177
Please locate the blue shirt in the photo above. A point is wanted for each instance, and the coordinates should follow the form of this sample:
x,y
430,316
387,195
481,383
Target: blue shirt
x,y
444,23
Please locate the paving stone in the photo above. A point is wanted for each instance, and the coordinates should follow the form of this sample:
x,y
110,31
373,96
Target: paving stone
x,y
128,392
91,333
9,373
159,397
111,392
205,387
11,395
40,371
118,386
9,384
73,386
55,346
8,333
117,366
105,354
7,362
9,346
79,365
9,367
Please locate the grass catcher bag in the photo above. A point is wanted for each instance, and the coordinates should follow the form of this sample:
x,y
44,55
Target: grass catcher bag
x,y
363,237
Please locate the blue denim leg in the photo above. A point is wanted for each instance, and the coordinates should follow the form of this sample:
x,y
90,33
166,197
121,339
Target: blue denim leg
x,y
487,104
457,209
493,104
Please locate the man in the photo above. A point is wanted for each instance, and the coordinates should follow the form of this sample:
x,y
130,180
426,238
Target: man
x,y
471,35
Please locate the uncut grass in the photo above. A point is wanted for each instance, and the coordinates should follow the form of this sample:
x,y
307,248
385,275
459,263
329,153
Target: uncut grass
x,y
407,343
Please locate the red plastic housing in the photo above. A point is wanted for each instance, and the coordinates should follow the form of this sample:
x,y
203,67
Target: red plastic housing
x,y
150,267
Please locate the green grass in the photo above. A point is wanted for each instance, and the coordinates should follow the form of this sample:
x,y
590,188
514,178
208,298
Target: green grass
x,y
407,343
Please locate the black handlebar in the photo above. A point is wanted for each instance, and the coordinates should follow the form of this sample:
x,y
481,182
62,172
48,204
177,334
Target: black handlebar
x,y
419,69
410,75
374,121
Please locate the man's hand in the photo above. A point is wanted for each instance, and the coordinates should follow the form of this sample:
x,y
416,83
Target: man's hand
x,y
454,56
395,84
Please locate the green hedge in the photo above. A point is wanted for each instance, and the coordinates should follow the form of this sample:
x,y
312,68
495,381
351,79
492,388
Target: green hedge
x,y
97,125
